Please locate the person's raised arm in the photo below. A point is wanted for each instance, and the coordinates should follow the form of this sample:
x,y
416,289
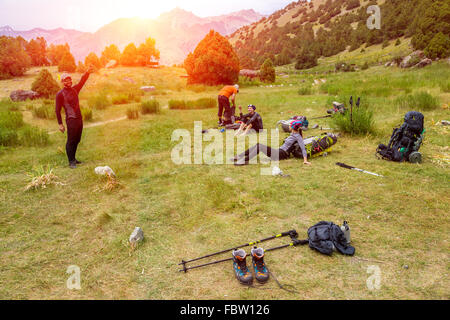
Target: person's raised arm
x,y
83,80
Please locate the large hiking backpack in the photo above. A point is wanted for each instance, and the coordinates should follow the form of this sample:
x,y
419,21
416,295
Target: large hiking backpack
x,y
286,124
314,146
405,140
325,237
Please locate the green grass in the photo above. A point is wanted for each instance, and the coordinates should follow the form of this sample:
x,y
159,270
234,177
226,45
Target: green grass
x,y
149,107
99,102
421,101
191,210
202,103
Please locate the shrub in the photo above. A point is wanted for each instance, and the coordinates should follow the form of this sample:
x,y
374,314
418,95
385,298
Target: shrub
x,y
86,113
120,99
345,67
9,105
9,123
45,85
135,95
245,82
267,72
360,122
304,91
98,102
148,107
397,60
8,137
45,111
365,66
421,101
202,103
33,137
439,46
132,113
177,104
11,120
306,60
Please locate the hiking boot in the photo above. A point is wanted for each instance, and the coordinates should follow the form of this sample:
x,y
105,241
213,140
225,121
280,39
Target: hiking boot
x,y
261,272
73,165
240,267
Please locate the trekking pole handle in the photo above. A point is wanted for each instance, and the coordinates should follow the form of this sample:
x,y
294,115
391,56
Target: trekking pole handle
x,y
288,233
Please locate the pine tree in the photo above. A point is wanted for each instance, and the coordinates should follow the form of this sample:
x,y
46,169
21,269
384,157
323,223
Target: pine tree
x,y
267,71
439,46
67,63
92,60
213,61
110,53
14,61
45,85
129,56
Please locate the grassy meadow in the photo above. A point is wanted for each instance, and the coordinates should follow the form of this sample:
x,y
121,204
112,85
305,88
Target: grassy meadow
x,y
399,223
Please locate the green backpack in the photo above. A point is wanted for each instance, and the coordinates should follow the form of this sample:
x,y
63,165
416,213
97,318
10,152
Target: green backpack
x,y
315,146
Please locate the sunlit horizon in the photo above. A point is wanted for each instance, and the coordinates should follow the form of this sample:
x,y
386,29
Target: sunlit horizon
x,y
89,16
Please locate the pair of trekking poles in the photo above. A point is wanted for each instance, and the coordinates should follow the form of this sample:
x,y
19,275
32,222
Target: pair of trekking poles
x,y
292,234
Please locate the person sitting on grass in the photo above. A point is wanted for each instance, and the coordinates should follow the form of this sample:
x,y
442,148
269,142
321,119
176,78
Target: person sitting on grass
x,y
251,120
276,154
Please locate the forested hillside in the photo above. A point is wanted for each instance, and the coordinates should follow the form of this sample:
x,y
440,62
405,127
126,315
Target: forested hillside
x,y
304,31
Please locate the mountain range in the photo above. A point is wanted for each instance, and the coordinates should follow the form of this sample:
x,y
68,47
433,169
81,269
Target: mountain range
x,y
176,32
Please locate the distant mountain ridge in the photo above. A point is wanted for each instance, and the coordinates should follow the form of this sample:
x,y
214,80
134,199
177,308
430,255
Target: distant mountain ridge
x,y
176,32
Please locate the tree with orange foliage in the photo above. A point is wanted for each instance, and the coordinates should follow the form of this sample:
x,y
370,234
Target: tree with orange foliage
x,y
213,62
110,53
93,60
129,55
147,52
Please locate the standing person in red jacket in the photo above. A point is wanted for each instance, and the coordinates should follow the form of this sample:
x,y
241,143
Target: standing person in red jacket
x,y
67,98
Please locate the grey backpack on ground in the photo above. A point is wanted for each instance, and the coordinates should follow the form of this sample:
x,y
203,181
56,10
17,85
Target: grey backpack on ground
x,y
325,237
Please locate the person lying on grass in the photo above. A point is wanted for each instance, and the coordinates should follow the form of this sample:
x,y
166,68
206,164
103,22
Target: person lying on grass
x,y
251,120
276,154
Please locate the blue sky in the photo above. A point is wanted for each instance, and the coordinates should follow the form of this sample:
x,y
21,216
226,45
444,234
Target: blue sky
x,y
90,15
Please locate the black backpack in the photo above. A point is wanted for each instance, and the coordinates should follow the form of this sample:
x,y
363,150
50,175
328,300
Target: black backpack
x,y
405,140
326,236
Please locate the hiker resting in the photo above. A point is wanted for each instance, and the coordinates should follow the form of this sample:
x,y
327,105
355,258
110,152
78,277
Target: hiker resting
x,y
67,98
225,95
276,154
251,120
